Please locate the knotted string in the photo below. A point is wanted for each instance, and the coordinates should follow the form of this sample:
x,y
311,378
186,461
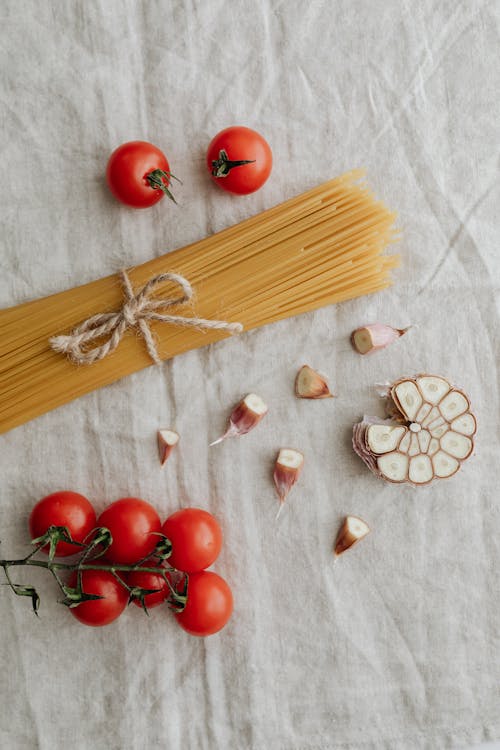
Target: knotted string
x,y
138,310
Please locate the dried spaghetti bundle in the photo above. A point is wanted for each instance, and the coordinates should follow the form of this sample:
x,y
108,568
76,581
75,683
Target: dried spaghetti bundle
x,y
322,247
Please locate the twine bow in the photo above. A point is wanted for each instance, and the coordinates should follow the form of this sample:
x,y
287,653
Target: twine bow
x,y
138,310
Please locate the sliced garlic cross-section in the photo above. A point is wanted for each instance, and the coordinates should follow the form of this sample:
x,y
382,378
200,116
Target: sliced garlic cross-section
x,y
432,433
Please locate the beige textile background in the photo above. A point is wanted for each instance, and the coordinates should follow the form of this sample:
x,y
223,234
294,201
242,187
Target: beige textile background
x,y
396,647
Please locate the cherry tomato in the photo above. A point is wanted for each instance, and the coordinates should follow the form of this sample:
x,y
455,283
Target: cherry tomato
x,y
134,525
63,509
149,581
196,539
239,160
209,604
138,174
98,612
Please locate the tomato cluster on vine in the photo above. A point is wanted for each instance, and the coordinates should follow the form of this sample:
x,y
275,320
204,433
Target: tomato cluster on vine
x,y
127,555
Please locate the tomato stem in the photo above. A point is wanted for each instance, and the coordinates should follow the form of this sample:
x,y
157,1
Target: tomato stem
x,y
158,179
222,166
76,595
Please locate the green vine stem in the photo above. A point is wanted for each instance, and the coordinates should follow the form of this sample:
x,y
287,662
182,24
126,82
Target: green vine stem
x,y
222,166
158,179
100,541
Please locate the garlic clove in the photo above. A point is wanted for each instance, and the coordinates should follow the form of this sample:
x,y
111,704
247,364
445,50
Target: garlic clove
x,y
465,424
458,446
244,417
421,470
424,440
167,440
433,388
444,465
414,448
453,405
404,445
287,470
433,447
438,431
381,438
431,416
408,398
351,532
394,466
376,336
439,422
423,412
310,384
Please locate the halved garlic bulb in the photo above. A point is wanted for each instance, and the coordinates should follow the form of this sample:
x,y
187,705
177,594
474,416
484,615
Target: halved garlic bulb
x,y
429,434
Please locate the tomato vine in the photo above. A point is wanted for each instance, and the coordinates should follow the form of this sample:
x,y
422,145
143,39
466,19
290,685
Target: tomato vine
x,y
89,559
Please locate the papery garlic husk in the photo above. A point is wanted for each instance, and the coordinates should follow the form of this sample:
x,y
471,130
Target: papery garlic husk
x,y
287,470
432,437
167,440
310,384
353,529
375,336
244,417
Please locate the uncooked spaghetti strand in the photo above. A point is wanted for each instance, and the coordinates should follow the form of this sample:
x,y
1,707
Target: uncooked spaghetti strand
x,y
349,245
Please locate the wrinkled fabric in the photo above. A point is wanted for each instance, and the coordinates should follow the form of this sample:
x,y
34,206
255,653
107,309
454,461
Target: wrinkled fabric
x,y
397,645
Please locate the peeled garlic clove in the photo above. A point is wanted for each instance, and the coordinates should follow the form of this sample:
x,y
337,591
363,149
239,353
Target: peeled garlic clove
x,y
167,440
287,470
351,532
245,416
375,336
310,384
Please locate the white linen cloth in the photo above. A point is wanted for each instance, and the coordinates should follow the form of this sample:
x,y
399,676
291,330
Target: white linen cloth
x,y
397,646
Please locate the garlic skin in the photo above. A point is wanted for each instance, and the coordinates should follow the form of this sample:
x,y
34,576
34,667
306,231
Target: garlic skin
x,y
310,384
245,416
167,440
352,531
371,338
428,437
287,470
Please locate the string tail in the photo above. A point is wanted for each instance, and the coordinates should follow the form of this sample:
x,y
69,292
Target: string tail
x,y
60,344
100,334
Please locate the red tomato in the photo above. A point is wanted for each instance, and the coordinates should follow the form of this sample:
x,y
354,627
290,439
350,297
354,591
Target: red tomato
x,y
149,581
63,509
196,539
209,604
100,611
134,525
239,160
138,174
